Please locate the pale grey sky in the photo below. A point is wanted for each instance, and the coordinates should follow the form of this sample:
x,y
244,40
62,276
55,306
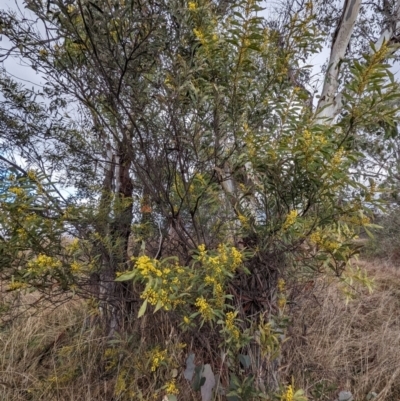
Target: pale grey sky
x,y
26,75
15,66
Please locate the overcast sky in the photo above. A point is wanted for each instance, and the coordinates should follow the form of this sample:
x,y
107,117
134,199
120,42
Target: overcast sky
x,y
14,65
25,74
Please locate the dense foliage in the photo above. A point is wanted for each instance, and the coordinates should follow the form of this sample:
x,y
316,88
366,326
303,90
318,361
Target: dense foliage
x,y
205,181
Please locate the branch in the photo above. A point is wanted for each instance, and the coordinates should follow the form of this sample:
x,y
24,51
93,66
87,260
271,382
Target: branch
x,y
392,25
20,169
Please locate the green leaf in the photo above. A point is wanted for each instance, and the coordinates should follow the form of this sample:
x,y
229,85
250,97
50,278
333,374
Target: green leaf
x,y
126,276
158,306
198,380
143,308
245,360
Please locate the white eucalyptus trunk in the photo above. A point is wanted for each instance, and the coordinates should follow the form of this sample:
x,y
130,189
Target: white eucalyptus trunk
x,y
330,102
392,25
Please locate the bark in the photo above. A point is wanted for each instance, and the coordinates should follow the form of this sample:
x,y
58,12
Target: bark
x,y
392,24
330,102
115,298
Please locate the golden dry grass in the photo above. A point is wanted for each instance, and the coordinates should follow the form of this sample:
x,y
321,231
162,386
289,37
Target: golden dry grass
x,y
334,346
331,346
61,355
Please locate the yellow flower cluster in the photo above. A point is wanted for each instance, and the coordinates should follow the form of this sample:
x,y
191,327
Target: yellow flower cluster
x,y
230,325
237,258
16,285
290,219
111,358
157,358
73,246
204,308
202,252
357,220
316,238
22,233
289,394
337,158
147,267
192,6
163,279
243,220
281,285
200,36
320,139
218,268
223,256
154,297
17,191
120,385
30,218
171,388
76,267
219,295
307,138
43,262
326,244
32,175
330,246
281,302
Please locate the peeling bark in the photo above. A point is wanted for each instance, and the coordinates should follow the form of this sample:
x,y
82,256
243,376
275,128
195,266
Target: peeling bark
x,y
330,102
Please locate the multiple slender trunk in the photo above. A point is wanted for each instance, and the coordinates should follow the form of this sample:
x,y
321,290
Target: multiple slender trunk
x,y
116,299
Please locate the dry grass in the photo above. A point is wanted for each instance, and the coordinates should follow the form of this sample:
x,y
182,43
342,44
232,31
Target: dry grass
x,y
61,355
42,353
334,346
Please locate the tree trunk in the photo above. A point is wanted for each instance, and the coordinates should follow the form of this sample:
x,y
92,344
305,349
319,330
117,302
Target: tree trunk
x,y
116,298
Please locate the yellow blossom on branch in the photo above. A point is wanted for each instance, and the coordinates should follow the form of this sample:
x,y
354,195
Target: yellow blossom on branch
x,y
171,388
44,262
76,267
289,394
281,302
17,191
16,285
204,308
157,358
281,285
237,258
290,219
230,325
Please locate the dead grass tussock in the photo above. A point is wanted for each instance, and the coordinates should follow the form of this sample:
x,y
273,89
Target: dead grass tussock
x,y
62,355
334,346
